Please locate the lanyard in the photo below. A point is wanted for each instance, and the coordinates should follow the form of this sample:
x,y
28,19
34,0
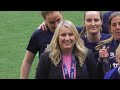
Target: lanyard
x,y
72,69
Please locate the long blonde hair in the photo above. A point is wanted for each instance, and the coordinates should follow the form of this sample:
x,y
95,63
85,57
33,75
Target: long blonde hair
x,y
54,47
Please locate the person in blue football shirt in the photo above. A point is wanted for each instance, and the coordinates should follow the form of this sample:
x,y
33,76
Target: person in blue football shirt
x,y
40,40
108,47
91,33
115,72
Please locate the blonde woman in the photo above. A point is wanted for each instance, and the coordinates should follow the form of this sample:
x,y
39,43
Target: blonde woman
x,y
66,57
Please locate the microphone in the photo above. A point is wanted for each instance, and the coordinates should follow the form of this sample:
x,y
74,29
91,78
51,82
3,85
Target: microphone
x,y
105,59
106,64
119,70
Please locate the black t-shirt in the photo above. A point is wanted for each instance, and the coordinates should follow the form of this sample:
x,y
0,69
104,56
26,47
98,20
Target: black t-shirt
x,y
39,41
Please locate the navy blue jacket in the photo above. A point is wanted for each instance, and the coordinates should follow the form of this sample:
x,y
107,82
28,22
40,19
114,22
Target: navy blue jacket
x,y
92,45
112,74
112,48
111,59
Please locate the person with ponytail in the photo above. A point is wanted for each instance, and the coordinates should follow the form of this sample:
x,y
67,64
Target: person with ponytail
x,y
108,47
91,33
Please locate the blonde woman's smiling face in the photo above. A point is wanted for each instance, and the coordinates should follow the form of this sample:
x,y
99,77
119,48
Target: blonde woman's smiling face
x,y
66,38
